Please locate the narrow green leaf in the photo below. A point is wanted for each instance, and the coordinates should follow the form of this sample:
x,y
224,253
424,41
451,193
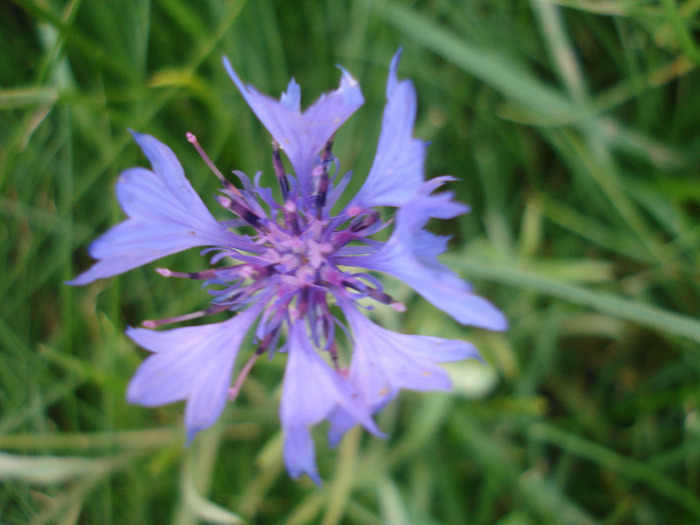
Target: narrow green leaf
x,y
610,304
685,39
393,506
208,511
27,97
551,501
501,73
627,467
48,469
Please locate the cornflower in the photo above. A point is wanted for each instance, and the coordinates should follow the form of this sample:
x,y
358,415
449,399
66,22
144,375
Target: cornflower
x,y
303,271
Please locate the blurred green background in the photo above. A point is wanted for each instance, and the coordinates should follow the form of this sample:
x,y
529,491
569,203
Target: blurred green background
x,y
574,128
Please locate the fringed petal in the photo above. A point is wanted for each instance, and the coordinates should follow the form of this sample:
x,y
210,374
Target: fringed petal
x,y
193,363
397,171
166,216
302,135
312,391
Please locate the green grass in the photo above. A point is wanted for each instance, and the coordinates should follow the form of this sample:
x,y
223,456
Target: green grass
x,y
574,128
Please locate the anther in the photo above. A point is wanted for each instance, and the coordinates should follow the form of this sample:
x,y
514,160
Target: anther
x,y
248,366
398,306
204,274
333,351
279,170
193,140
215,309
211,273
289,208
240,209
365,221
237,205
375,294
321,178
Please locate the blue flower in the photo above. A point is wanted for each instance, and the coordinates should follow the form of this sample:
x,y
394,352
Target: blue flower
x,y
302,272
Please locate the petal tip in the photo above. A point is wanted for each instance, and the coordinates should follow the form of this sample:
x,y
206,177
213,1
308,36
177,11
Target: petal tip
x,y
138,136
191,434
396,58
133,394
494,320
347,79
87,277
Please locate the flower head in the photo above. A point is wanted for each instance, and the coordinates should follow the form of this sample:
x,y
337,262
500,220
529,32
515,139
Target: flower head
x,y
303,270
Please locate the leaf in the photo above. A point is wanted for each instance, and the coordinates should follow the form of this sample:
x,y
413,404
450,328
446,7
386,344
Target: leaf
x,y
28,96
48,469
627,467
604,302
509,77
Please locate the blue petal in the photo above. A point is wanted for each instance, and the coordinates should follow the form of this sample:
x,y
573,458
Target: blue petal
x,y
397,171
341,422
312,391
300,452
292,98
384,362
193,363
165,214
411,253
302,135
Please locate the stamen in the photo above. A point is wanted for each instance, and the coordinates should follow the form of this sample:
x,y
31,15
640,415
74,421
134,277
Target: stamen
x,y
327,149
204,274
379,296
375,294
291,218
193,140
398,306
321,178
237,206
303,301
248,366
186,317
251,218
240,209
279,170
289,209
364,221
333,351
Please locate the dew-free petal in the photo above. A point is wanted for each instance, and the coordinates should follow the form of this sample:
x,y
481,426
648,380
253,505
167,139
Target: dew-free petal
x,y
384,362
193,363
397,170
300,452
302,135
165,216
411,253
311,392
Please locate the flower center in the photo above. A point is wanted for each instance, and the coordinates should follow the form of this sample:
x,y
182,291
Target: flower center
x,y
294,261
